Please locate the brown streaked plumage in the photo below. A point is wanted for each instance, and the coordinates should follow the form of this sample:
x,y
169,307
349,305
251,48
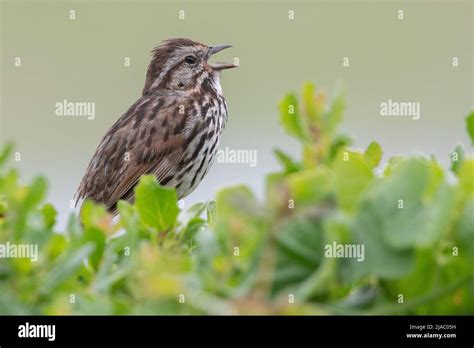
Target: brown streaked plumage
x,y
171,131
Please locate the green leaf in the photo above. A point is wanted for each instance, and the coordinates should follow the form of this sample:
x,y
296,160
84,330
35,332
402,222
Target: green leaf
x,y
73,229
56,245
236,200
360,297
353,175
435,179
457,157
310,103
96,237
373,154
470,126
49,215
391,220
288,163
211,212
239,224
334,115
310,186
276,191
5,153
197,209
157,206
65,268
131,222
466,177
422,277
193,227
237,219
28,200
323,278
3,208
392,163
109,274
299,252
290,117
435,218
92,214
380,258
397,217
466,229
35,194
128,216
336,145
410,218
438,284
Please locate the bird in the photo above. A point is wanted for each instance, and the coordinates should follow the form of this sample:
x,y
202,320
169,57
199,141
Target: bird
x,y
172,131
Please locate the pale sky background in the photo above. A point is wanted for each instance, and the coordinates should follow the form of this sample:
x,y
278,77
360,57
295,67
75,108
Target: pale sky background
x,y
82,60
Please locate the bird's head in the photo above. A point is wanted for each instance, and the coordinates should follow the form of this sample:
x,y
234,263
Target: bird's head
x,y
182,64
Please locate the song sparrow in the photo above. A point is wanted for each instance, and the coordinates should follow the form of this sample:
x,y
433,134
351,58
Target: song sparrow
x,y
171,131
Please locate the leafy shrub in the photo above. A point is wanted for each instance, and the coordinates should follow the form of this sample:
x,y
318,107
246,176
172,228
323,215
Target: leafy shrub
x,y
241,255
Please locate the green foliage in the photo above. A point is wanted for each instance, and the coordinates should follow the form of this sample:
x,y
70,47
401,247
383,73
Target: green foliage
x,y
456,158
353,174
240,255
470,126
373,154
157,207
290,117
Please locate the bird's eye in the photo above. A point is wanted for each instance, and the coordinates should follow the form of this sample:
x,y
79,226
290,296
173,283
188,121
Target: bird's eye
x,y
190,60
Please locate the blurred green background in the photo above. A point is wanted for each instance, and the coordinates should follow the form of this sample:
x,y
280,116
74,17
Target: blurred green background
x,y
82,60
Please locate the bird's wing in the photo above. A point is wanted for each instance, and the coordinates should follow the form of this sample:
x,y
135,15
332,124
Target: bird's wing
x,y
149,138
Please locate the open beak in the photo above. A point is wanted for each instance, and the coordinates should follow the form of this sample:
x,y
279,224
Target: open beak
x,y
219,66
